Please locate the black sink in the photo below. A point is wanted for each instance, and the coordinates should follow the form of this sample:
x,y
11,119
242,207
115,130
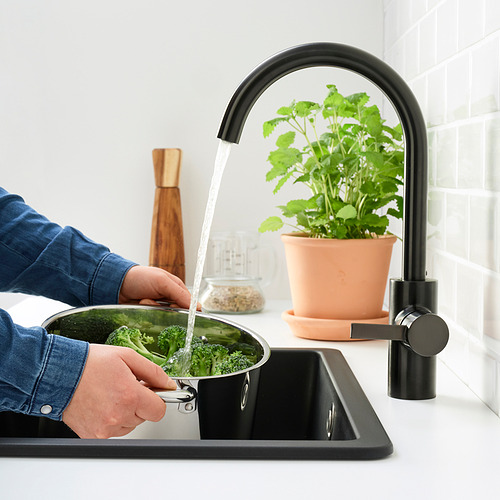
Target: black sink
x,y
309,406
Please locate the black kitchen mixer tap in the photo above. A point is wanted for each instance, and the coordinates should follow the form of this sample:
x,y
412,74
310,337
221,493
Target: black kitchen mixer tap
x,y
415,332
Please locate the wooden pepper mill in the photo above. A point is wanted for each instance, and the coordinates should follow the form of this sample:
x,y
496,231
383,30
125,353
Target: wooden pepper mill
x,y
167,239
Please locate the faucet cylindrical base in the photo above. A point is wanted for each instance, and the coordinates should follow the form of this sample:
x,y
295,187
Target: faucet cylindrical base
x,y
411,376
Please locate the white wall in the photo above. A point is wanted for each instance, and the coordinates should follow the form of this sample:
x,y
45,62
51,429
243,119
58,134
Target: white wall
x,y
449,51
89,88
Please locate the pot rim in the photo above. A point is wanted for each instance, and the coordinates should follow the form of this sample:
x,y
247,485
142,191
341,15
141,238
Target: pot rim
x,y
265,346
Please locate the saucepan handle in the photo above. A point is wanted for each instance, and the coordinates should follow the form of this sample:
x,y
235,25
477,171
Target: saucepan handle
x,y
183,395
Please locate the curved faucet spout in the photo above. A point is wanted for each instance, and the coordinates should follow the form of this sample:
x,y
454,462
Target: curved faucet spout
x,y
412,370
398,93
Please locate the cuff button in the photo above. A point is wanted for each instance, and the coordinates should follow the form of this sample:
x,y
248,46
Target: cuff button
x,y
46,409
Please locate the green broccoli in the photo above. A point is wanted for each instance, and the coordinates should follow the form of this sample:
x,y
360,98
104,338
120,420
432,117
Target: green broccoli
x,y
235,362
171,339
133,338
175,366
248,350
206,357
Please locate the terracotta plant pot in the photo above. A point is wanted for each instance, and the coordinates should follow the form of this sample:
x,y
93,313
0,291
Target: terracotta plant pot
x,y
338,279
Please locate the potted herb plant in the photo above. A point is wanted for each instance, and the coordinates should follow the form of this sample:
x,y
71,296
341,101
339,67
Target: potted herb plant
x,y
352,164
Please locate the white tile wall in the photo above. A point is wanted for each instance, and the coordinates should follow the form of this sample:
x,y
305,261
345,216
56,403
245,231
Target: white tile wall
x,y
449,53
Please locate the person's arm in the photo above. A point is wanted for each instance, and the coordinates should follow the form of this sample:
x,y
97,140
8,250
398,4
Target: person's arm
x,y
42,374
95,389
38,372
41,258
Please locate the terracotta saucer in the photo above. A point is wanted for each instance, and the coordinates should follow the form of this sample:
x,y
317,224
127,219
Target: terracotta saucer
x,y
326,329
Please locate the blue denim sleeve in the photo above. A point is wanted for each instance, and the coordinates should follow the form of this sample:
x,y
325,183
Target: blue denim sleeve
x,y
39,257
39,372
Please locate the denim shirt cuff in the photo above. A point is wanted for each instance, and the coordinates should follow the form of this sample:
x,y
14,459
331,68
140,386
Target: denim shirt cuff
x,y
61,372
108,279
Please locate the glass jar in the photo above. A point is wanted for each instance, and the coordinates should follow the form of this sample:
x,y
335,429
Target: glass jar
x,y
237,295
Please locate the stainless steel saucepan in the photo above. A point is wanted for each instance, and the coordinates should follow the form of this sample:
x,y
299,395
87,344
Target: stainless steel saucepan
x,y
215,407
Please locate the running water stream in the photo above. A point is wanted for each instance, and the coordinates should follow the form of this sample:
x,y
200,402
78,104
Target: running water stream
x,y
220,163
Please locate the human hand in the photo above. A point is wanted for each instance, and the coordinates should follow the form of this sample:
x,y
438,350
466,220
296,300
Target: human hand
x,y
146,285
112,397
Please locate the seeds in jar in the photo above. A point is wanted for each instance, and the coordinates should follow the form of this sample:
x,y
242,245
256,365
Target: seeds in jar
x,y
228,298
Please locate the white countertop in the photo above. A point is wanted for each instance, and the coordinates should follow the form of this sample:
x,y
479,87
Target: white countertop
x,y
448,447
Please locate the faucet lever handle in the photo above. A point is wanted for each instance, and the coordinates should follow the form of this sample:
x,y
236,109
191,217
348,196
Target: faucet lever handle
x,y
378,332
423,332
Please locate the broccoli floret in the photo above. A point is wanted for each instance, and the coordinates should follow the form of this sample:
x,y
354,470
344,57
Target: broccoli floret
x,y
206,357
175,366
235,362
247,349
133,338
219,354
171,339
201,361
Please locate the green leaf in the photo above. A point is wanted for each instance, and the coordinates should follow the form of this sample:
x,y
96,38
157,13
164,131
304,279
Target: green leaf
x,y
319,148
285,157
396,132
331,161
374,123
282,181
320,202
333,100
277,171
399,202
347,212
374,220
285,140
394,213
305,108
273,223
302,220
359,99
270,125
368,187
340,232
296,206
337,204
377,159
285,110
328,138
310,163
388,187
303,178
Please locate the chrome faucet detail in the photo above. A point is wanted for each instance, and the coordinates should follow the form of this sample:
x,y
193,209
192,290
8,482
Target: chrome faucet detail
x,y
415,332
